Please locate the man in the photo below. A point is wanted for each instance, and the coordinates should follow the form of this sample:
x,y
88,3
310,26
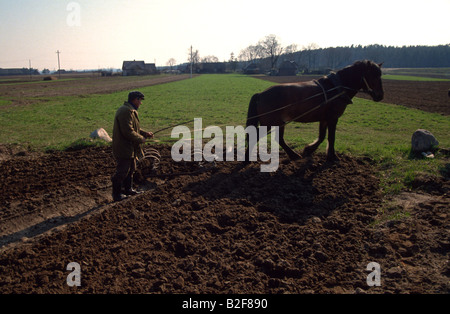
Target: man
x,y
128,139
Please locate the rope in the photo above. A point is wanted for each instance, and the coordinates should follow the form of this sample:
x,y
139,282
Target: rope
x,y
324,92
292,104
152,157
309,111
298,117
173,126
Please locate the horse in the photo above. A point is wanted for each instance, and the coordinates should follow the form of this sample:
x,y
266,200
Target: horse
x,y
323,100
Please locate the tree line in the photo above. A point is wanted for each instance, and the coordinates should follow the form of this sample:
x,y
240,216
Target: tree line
x,y
268,54
392,57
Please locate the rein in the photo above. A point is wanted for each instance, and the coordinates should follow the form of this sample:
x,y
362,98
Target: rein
x,y
368,90
173,126
334,79
311,110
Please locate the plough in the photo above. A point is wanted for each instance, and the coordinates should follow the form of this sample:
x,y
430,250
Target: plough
x,y
150,162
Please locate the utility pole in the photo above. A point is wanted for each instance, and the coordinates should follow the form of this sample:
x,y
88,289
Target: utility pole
x,y
59,68
191,61
29,62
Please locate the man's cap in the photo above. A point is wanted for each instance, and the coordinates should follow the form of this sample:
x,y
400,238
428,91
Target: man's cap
x,y
134,95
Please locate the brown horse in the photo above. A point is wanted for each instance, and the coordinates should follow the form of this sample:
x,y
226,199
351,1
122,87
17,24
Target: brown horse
x,y
322,101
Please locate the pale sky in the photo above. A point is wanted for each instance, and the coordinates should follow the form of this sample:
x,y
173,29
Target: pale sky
x,y
93,34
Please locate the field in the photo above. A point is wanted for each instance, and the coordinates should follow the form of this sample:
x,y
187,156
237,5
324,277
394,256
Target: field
x,y
310,227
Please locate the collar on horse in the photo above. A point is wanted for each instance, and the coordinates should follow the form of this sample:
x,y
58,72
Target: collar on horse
x,y
336,86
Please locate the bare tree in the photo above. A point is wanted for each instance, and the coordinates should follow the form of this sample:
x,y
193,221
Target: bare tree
x,y
171,63
291,48
250,54
232,58
289,52
271,48
232,62
210,59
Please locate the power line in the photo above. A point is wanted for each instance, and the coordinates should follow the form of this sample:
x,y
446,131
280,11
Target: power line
x,y
191,61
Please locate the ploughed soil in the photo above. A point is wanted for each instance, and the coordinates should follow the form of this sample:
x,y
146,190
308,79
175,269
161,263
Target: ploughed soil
x,y
309,227
219,228
22,91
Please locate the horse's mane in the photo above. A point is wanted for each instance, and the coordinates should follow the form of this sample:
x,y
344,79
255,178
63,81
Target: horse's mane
x,y
368,65
362,66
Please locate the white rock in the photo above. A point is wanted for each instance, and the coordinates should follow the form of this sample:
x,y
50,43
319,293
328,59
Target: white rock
x,y
102,134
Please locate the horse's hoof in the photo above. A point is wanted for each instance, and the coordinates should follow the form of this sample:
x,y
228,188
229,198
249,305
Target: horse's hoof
x,y
308,151
332,159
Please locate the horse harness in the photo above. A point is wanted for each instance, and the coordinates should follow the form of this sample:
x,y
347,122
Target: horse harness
x,y
336,82
337,85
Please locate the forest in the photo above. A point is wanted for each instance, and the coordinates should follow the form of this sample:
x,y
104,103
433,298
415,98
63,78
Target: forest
x,y
392,57
268,54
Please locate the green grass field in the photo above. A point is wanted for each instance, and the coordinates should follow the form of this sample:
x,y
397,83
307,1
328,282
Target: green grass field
x,y
379,131
413,78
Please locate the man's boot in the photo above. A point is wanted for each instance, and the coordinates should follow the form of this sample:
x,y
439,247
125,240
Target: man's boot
x,y
117,191
128,186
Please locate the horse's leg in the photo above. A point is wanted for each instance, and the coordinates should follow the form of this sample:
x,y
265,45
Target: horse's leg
x,y
311,148
251,143
292,155
331,154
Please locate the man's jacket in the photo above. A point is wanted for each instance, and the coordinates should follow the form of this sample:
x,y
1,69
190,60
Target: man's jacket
x,y
127,134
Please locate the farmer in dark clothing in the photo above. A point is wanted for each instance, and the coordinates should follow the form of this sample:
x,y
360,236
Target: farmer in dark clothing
x,y
128,139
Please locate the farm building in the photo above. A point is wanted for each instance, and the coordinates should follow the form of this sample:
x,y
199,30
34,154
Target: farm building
x,y
288,68
134,67
18,71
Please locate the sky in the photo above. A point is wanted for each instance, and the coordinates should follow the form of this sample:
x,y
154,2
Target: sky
x,y
93,34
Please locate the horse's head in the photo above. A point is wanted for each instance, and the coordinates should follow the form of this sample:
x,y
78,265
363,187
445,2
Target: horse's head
x,y
371,80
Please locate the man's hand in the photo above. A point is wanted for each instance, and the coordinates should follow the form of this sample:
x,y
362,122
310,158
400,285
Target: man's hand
x,y
148,135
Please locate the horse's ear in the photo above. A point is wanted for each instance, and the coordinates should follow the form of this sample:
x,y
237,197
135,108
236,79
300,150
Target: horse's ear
x,y
380,64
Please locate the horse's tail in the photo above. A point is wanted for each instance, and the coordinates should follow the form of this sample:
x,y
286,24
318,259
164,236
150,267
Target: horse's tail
x,y
252,115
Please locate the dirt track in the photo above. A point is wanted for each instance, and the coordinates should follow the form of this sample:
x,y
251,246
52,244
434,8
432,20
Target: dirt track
x,y
307,228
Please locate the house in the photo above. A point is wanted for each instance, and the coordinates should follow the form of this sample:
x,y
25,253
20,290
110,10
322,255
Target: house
x,y
134,67
288,68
